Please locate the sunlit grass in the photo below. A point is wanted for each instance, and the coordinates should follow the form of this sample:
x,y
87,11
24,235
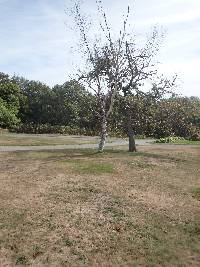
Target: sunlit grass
x,y
84,208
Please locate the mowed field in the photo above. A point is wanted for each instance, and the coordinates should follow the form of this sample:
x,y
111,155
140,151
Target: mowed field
x,y
82,208
12,139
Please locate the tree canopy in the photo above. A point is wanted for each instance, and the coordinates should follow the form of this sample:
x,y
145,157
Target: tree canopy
x,y
10,96
32,106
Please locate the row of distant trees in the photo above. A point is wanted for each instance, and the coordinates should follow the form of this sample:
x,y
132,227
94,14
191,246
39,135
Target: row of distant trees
x,y
33,107
109,95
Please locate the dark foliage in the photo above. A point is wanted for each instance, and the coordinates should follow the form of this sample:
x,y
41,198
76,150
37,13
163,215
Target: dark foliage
x,y
33,107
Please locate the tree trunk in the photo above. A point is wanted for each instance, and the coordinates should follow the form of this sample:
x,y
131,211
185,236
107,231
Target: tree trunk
x,y
131,135
103,133
132,145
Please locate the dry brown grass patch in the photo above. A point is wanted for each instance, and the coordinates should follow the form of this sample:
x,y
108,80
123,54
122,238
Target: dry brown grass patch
x,y
140,210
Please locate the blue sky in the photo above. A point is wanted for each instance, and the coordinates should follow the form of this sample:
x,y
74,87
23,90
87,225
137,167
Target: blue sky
x,y
36,43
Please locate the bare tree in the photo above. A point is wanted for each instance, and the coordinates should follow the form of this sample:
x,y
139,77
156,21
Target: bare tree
x,y
116,66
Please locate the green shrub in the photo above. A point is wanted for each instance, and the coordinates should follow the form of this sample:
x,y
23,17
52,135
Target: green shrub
x,y
170,139
8,116
193,133
32,128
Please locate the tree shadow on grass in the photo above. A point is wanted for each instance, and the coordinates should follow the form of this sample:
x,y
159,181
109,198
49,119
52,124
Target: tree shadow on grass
x,y
56,155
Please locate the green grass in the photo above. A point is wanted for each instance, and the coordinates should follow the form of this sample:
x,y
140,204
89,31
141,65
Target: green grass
x,y
67,242
196,193
43,140
176,141
10,139
21,260
140,164
187,142
93,167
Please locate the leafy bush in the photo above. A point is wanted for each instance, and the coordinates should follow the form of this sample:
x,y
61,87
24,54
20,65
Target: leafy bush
x,y
190,132
170,139
32,128
7,115
140,136
193,133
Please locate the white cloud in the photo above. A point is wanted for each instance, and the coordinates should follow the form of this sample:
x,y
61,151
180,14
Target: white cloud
x,y
187,74
187,16
36,43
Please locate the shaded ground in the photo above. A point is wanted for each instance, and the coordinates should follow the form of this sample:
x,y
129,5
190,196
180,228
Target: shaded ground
x,y
82,208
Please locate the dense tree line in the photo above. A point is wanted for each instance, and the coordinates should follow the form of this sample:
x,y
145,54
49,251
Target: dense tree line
x,y
33,107
172,116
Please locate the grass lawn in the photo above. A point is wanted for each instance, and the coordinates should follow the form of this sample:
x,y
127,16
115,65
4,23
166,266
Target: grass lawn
x,y
11,139
187,142
81,208
179,142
